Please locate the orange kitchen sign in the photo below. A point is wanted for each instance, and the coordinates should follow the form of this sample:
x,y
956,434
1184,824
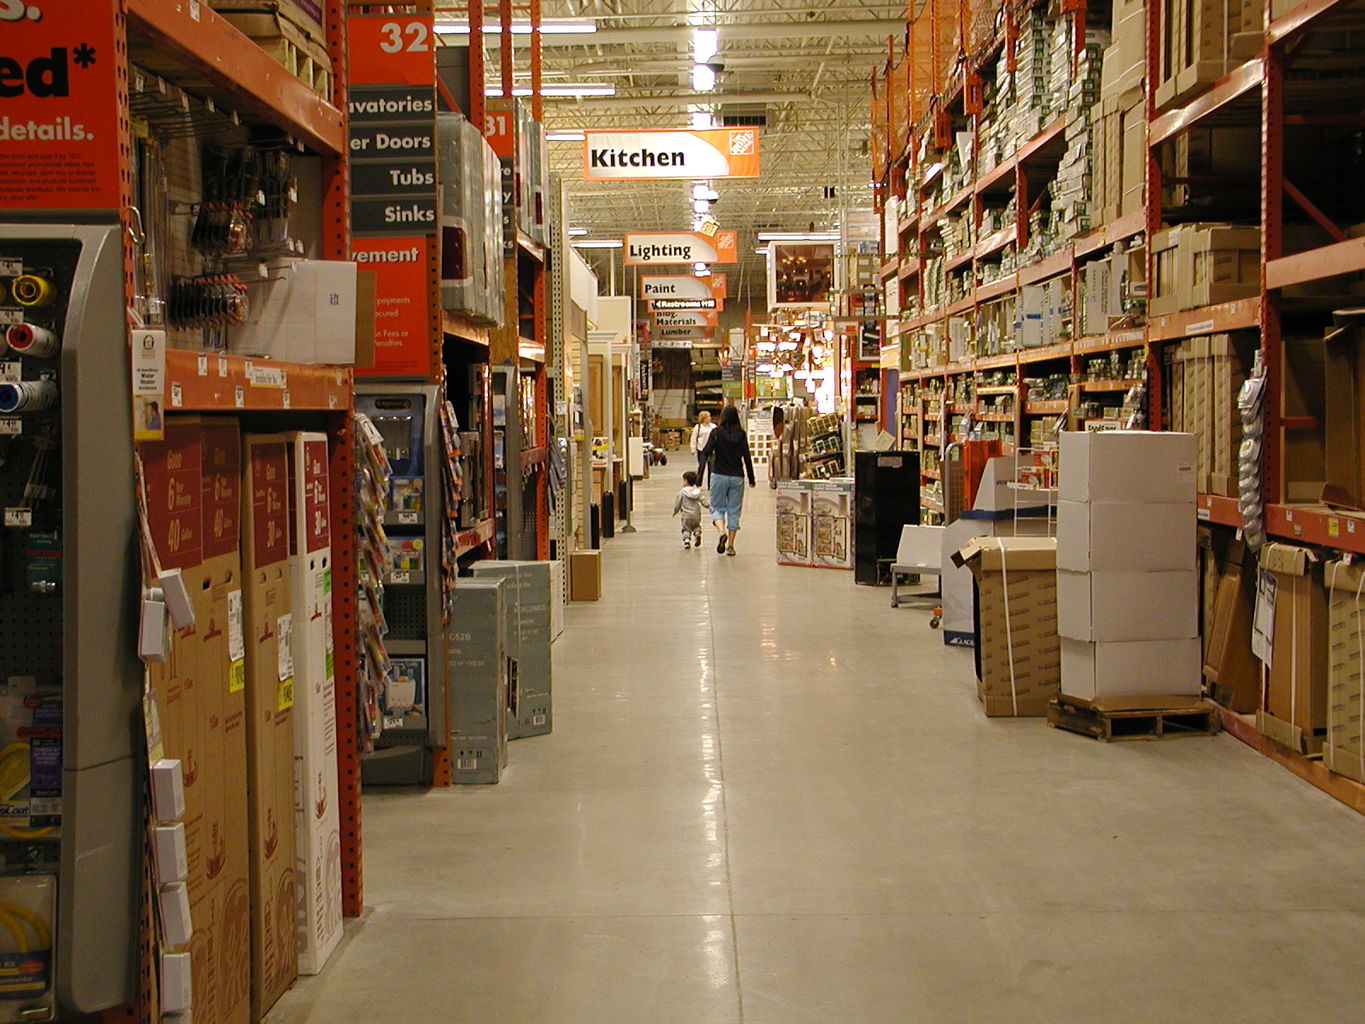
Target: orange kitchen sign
x,y
682,286
59,136
645,248
670,153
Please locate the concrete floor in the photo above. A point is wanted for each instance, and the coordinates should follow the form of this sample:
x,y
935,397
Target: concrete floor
x,y
771,798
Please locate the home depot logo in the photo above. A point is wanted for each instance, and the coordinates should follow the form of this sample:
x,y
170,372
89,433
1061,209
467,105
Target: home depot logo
x,y
742,143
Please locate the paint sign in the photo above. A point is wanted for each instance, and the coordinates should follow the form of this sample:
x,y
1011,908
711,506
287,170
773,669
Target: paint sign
x,y
646,248
682,286
59,88
670,153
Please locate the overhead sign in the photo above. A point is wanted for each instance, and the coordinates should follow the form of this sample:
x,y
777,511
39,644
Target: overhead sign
x,y
683,286
59,130
649,247
670,305
691,333
686,318
670,153
402,328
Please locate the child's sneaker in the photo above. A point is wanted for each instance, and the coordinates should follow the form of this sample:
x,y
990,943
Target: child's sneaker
x,y
687,542
696,539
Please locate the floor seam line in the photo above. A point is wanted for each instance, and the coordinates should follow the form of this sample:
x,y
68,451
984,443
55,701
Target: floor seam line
x,y
724,797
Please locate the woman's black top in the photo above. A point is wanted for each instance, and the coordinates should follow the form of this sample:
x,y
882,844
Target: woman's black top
x,y
728,450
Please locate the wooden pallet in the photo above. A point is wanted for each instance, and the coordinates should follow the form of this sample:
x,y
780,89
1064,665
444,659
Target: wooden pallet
x,y
1162,718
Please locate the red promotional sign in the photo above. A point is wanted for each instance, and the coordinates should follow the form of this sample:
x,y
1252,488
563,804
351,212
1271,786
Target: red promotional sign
x,y
402,330
59,138
390,49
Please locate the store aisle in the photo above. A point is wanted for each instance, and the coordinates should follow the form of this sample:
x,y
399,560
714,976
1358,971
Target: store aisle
x,y
771,798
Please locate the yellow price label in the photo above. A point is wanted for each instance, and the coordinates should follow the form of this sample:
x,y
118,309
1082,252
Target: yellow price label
x,y
237,676
284,696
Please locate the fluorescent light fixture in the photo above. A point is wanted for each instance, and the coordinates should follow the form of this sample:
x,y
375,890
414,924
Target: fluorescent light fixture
x,y
563,136
597,243
703,77
702,119
705,44
760,251
701,190
787,346
766,367
566,89
576,232
519,28
700,206
701,270
798,236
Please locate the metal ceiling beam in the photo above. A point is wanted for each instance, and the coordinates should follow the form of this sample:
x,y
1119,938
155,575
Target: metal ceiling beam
x,y
682,34
681,99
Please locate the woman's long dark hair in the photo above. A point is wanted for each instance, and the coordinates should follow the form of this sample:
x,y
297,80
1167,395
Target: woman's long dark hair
x,y
729,416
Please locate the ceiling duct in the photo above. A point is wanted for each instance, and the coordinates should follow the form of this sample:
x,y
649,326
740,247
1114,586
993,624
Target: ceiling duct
x,y
744,115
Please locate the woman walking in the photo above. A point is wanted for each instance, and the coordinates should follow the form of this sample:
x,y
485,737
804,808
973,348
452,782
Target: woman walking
x,y
727,449
700,433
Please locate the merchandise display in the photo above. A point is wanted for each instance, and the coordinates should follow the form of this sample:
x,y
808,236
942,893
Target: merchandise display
x,y
530,597
478,676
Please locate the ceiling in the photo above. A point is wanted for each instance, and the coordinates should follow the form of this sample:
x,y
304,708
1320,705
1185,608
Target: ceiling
x,y
802,67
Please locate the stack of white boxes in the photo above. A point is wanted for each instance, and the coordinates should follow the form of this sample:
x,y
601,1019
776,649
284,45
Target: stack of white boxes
x,y
530,601
1127,577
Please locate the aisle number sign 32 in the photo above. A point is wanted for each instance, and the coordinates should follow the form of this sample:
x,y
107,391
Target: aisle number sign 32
x,y
389,50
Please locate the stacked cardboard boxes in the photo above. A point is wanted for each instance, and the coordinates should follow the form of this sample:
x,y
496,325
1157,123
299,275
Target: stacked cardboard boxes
x,y
477,678
1295,707
1127,578
317,820
270,721
1207,373
1198,265
530,597
471,221
193,483
1344,750
1018,666
1202,40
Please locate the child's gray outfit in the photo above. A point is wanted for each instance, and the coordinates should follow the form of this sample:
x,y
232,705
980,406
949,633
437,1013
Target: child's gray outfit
x,y
689,504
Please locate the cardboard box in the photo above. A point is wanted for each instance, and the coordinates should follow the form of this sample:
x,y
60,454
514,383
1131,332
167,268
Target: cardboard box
x,y
270,721
1233,672
1344,751
1296,690
1018,665
307,15
1344,428
305,312
585,575
1201,264
1107,536
1130,669
1128,465
1127,606
317,821
476,674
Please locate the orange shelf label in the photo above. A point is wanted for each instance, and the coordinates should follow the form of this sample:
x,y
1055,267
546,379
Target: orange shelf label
x,y
58,109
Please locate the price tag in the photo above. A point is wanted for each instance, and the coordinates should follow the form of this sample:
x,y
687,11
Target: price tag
x,y
284,695
239,397
11,268
222,366
265,376
398,577
177,394
194,10
236,676
1333,526
285,399
236,633
1203,513
407,518
203,365
393,721
11,425
18,517
284,647
11,373
11,316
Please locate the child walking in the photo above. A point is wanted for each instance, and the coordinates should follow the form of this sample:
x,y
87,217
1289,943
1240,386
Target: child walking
x,y
689,502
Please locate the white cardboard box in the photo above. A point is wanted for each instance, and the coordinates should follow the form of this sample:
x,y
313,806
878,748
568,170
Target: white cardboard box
x,y
1093,670
177,992
317,818
1124,606
1113,536
304,311
1128,465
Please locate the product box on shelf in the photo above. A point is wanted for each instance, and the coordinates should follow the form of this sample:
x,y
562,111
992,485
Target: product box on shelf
x,y
286,30
1125,536
477,678
1344,750
317,795
306,15
1196,47
1231,669
304,311
1017,649
1127,606
1092,670
1295,711
530,596
1201,264
1128,465
270,721
1344,427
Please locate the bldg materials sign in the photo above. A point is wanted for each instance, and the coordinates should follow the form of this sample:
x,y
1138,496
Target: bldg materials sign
x,y
646,248
670,153
686,318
